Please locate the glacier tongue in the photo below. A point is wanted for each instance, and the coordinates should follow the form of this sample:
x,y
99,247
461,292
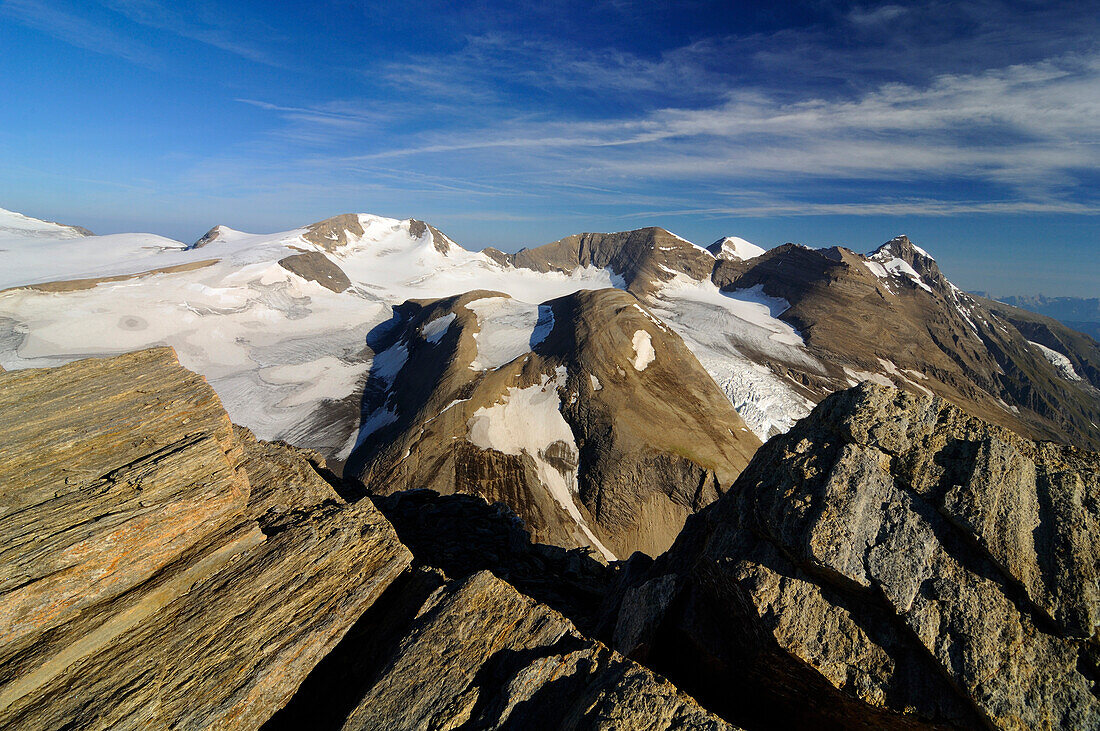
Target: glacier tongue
x,y
726,331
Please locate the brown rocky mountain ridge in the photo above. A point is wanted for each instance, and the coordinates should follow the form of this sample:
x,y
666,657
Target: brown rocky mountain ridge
x,y
921,334
582,532
651,446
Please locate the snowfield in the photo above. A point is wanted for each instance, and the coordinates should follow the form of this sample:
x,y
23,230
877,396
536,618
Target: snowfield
x,y
287,355
278,349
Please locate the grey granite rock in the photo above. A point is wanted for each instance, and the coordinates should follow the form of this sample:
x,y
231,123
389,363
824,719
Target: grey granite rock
x,y
891,562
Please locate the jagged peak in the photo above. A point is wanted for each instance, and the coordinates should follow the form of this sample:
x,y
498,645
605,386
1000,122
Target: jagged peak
x,y
900,257
902,247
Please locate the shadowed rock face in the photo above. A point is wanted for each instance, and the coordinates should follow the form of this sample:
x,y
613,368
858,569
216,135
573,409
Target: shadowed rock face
x,y
161,568
637,447
891,562
509,662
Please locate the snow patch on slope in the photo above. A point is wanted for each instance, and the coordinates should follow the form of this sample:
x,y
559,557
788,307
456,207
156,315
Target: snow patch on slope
x,y
434,331
643,350
529,421
1060,362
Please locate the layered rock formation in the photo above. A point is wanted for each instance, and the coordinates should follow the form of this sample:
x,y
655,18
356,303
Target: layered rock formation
x,y
596,425
161,569
890,563
481,655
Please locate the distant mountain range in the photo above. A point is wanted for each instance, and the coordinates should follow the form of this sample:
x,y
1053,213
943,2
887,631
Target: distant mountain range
x,y
1080,313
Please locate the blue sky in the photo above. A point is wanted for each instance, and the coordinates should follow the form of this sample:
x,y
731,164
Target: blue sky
x,y
973,127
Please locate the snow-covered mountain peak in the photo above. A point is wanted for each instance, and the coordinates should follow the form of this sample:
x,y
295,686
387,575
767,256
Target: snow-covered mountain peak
x,y
734,248
222,234
901,258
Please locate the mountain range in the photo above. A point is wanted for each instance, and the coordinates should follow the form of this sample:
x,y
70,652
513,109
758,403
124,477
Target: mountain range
x,y
1079,313
699,485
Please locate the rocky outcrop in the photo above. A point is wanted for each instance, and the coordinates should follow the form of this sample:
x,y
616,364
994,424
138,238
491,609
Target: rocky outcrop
x,y
642,258
209,237
316,267
891,562
481,655
440,240
599,428
333,233
161,568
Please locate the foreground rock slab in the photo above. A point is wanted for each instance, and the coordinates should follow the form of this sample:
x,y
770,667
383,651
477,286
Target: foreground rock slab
x,y
482,655
889,563
161,568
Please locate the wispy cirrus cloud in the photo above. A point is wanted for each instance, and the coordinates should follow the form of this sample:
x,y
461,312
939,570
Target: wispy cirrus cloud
x,y
758,111
208,23
79,29
1031,127
91,26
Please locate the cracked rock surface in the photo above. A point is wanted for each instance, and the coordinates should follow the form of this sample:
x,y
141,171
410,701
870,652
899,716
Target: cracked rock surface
x,y
891,562
482,655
